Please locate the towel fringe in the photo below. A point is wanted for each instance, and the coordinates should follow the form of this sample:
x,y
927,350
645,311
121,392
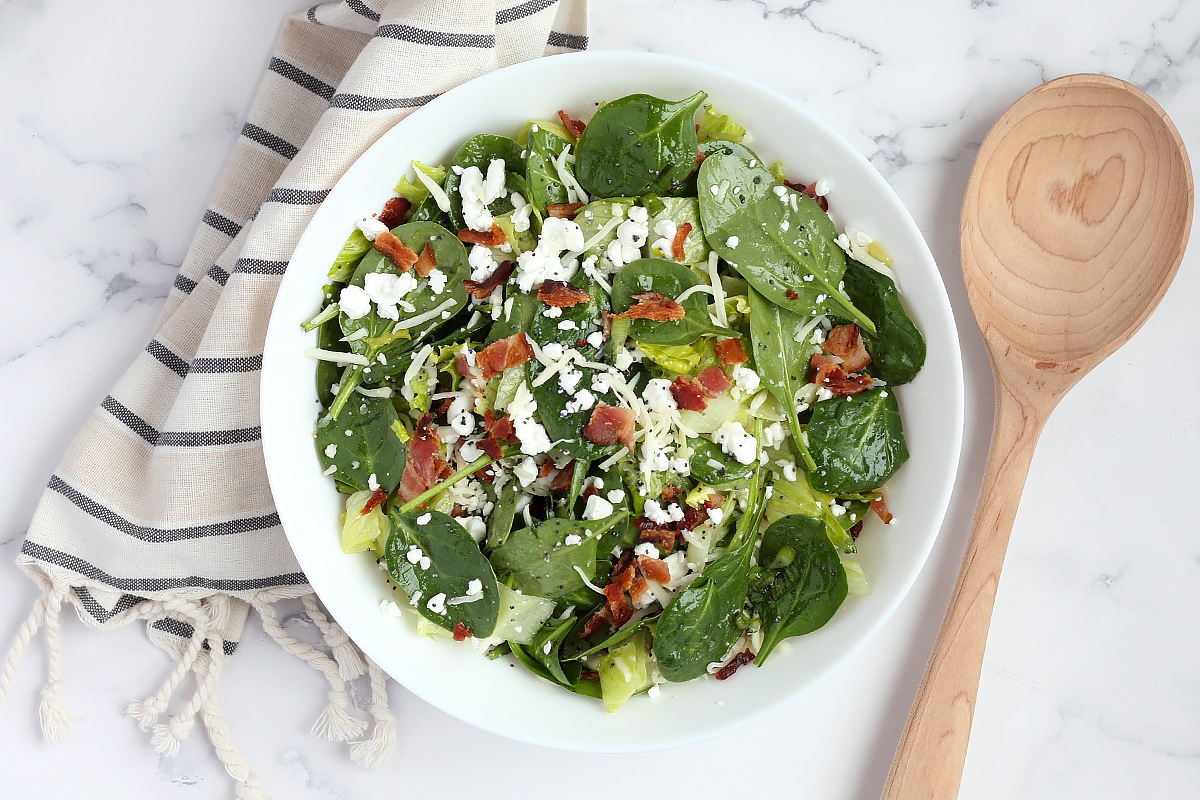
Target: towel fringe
x,y
52,712
377,751
247,786
350,665
146,712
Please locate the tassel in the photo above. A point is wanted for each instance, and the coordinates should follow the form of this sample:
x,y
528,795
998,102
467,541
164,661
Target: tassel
x,y
336,723
377,751
56,725
147,712
350,665
247,786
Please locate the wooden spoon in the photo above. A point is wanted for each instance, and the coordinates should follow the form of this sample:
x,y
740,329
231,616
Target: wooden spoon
x,y
1074,222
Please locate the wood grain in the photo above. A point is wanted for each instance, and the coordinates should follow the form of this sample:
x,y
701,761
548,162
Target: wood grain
x,y
1074,222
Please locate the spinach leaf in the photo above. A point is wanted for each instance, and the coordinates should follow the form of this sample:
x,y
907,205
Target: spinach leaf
x,y
669,279
478,151
590,688
362,442
454,561
616,637
638,145
788,254
519,318
802,583
779,359
541,174
538,561
500,521
563,426
712,467
553,633
329,337
857,442
897,348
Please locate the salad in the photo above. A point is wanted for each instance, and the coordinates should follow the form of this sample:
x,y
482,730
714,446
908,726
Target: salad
x,y
613,397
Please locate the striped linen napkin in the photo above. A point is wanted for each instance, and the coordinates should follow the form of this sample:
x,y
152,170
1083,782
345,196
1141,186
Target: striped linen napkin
x,y
160,510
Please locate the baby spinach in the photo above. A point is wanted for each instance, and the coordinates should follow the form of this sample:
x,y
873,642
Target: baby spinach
x,y
545,185
538,561
669,279
857,442
780,360
897,348
638,145
362,442
711,466
802,582
454,561
788,254
478,151
500,521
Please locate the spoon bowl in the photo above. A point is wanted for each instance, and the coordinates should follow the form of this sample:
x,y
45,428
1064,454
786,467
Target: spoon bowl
x,y
1074,222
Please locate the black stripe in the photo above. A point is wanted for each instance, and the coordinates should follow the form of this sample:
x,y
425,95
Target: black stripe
x,y
312,15
570,41
298,197
160,535
258,266
81,567
184,631
218,275
301,78
218,366
224,224
168,359
522,11
132,421
184,284
359,7
358,102
99,612
208,438
407,33
270,140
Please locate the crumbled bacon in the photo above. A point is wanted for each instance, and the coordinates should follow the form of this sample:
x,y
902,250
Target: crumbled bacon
x,y
655,569
460,632
563,210
561,482
394,211
482,290
791,294
618,604
880,507
391,246
573,126
426,262
681,234
598,622
377,497
492,238
740,660
652,306
499,356
713,382
662,538
688,395
810,189
699,158
693,517
503,429
609,425
826,372
846,342
424,465
730,352
489,445
561,294
855,530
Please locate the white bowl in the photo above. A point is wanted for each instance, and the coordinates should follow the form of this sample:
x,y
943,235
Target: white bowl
x,y
511,701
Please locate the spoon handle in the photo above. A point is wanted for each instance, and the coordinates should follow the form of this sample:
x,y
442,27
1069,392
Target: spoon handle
x,y
929,761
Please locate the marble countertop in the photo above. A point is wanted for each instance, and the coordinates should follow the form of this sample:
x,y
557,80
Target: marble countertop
x,y
119,118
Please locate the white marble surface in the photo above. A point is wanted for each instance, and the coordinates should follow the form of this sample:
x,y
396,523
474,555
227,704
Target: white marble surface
x,y
117,118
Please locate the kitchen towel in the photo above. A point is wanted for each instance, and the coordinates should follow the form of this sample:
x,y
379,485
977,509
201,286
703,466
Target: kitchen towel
x,y
160,510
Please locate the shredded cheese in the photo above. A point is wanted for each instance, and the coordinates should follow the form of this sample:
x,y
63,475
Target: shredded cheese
x,y
336,357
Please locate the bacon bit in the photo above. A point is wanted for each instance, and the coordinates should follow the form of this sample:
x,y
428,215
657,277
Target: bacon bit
x,y
809,189
394,211
714,500
688,395
713,382
503,429
562,479
589,675
699,156
490,446
561,294
846,342
855,530
482,290
879,506
457,511
639,590
460,632
681,234
598,622
573,126
425,463
652,306
442,407
693,517
655,569
391,246
487,475
375,499
609,425
730,352
670,493
618,604
426,262
826,372
499,356
791,294
740,660
492,238
662,538
563,210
